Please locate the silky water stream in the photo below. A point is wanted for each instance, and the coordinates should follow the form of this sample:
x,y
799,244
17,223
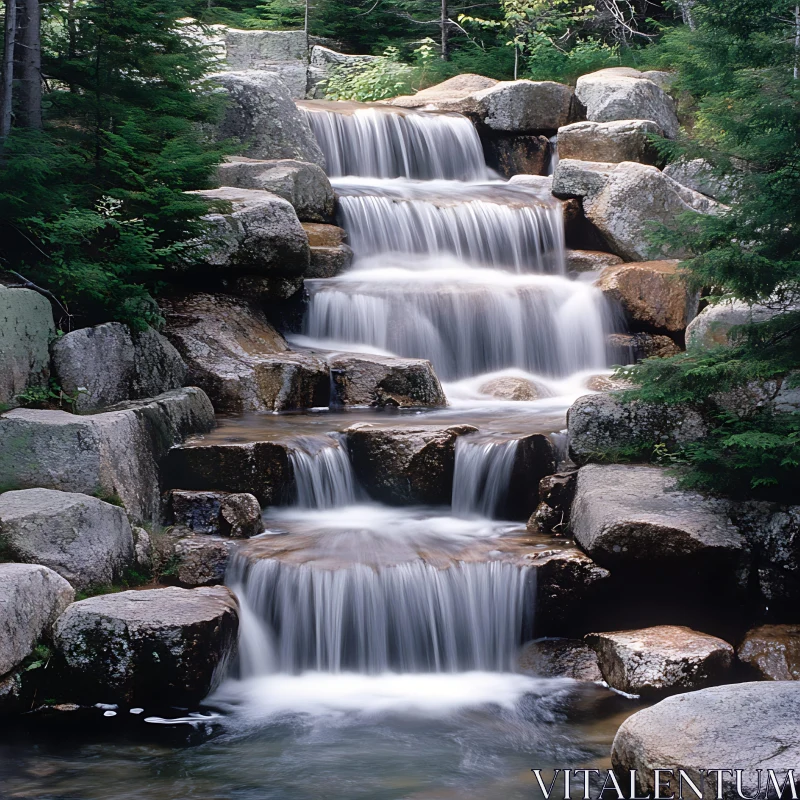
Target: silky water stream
x,y
379,645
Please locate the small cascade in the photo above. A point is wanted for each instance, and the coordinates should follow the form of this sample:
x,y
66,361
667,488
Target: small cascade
x,y
384,142
465,321
407,617
482,476
490,224
323,474
553,163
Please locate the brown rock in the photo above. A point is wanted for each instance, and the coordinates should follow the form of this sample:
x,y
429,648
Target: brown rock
x,y
590,260
773,651
652,294
604,383
452,89
516,154
328,262
560,658
324,235
611,142
665,659
510,389
628,348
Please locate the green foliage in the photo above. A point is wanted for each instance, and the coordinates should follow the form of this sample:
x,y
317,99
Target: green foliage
x,y
49,396
383,77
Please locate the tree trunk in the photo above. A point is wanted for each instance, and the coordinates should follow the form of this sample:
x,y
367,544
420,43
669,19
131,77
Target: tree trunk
x,y
30,65
445,25
7,84
796,41
686,12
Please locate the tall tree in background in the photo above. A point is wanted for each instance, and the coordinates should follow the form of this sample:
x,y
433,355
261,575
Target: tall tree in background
x,y
7,74
29,60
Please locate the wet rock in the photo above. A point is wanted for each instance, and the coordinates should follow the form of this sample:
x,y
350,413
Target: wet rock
x,y
12,695
261,114
652,294
367,380
83,539
202,560
509,388
773,651
401,466
712,327
698,174
665,659
535,458
601,424
304,185
750,726
560,658
263,289
623,140
26,329
115,454
556,493
625,515
324,235
447,93
149,647
514,154
239,359
621,93
237,515
628,348
108,363
259,234
31,599
330,256
590,260
258,468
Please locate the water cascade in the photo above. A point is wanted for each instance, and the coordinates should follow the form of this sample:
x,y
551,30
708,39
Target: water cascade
x,y
482,475
323,474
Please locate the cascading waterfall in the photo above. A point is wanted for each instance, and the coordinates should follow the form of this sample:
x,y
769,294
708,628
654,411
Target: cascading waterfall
x,y
408,617
323,474
482,475
380,142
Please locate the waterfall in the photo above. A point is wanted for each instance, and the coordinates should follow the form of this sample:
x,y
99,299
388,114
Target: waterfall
x,y
465,321
408,617
504,226
382,142
482,475
553,162
323,474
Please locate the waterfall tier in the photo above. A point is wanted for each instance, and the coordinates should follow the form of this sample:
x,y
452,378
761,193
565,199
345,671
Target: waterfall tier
x,y
482,475
384,142
323,474
408,617
467,321
491,224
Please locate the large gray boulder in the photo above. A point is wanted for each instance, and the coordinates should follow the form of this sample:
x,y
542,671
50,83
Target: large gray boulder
x,y
258,234
259,49
366,380
624,202
622,93
445,94
114,454
653,295
634,516
772,651
31,599
26,330
402,466
304,185
106,364
712,326
260,468
601,425
83,539
261,114
239,359
699,175
753,727
611,142
665,659
149,647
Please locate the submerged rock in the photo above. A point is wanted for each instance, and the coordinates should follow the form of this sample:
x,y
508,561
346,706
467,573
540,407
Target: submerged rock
x,y
773,651
26,330
261,114
31,599
83,539
509,388
304,185
621,93
653,295
402,466
367,380
237,515
661,660
560,658
634,516
116,453
623,140
243,363
106,364
749,726
157,646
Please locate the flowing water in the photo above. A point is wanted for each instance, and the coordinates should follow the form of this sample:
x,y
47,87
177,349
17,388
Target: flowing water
x,y
379,645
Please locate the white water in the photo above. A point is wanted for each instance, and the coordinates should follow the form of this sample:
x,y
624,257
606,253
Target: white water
x,y
323,473
482,475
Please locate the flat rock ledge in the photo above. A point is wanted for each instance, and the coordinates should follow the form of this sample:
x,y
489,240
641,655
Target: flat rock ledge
x,y
661,660
560,658
772,651
156,646
746,726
